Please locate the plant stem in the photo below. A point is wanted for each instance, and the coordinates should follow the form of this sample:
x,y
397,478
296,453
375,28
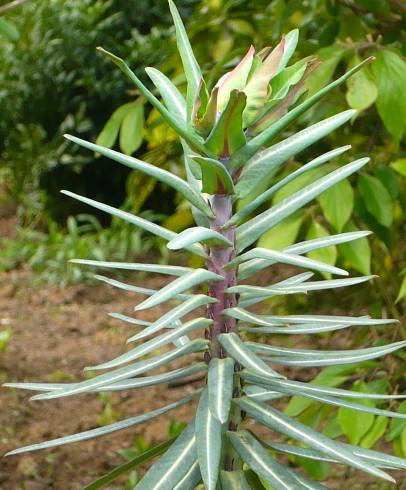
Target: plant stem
x,y
219,256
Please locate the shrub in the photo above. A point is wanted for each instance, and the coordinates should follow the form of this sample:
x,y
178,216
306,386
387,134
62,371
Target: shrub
x,y
226,135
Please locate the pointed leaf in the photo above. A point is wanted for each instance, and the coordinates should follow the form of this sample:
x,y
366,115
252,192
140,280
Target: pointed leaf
x,y
126,372
285,425
135,220
190,65
177,286
227,134
120,385
197,234
234,80
275,256
259,460
173,465
268,161
236,348
220,387
171,96
134,289
158,173
215,176
276,320
339,357
248,268
173,270
171,316
305,287
208,442
107,429
249,232
155,343
170,119
263,139
379,459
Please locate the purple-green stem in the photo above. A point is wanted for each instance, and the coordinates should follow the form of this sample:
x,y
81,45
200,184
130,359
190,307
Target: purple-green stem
x,y
219,256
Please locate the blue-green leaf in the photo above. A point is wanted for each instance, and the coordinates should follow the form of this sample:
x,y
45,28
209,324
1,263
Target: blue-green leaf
x,y
190,65
158,173
107,429
275,256
197,234
268,161
259,459
220,387
249,232
171,316
263,139
173,465
172,270
177,286
291,428
126,372
208,442
171,96
135,220
155,343
236,348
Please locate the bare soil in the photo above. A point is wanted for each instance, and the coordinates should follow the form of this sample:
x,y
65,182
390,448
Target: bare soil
x,y
56,333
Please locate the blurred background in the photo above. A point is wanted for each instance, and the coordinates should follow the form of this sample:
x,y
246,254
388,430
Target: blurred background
x,y
52,81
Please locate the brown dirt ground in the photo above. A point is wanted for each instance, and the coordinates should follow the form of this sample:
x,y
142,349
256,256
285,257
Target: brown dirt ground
x,y
56,333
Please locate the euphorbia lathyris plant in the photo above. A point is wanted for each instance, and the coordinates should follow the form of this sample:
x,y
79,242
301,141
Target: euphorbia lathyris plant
x,y
227,134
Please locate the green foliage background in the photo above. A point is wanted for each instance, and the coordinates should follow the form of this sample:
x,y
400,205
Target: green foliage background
x,y
52,81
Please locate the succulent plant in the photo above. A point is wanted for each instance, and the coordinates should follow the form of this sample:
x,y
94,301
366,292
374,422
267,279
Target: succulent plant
x,y
232,165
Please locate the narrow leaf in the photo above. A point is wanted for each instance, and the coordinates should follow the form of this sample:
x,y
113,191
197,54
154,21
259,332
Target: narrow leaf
x,y
285,425
277,320
173,465
197,234
259,460
158,173
263,139
107,429
171,120
171,96
236,348
171,316
173,270
268,161
208,442
177,286
220,387
133,289
249,232
155,343
126,372
275,256
135,220
190,65
247,269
